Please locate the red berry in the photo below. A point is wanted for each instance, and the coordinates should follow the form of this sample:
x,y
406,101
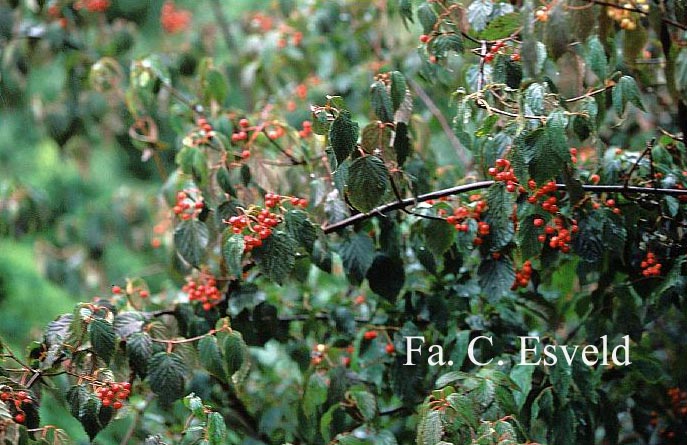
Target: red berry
x,y
370,335
424,38
610,202
5,396
538,222
245,154
144,294
117,405
389,348
360,299
19,417
107,402
116,290
488,57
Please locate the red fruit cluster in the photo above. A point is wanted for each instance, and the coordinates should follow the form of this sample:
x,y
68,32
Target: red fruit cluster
x,y
92,5
296,38
272,200
561,236
573,155
307,129
174,20
205,128
114,394
678,401
495,48
522,276
474,211
186,206
503,172
19,399
550,204
204,290
650,266
610,203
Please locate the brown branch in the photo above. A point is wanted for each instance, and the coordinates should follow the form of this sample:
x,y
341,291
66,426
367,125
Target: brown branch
x,y
397,205
590,94
633,9
431,106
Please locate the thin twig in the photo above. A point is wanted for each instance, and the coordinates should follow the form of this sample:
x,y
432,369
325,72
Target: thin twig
x,y
431,106
397,205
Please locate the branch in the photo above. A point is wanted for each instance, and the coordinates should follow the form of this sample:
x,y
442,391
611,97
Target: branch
x,y
633,9
431,106
389,207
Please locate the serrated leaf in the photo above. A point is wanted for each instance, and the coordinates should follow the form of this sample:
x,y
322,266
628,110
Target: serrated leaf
x,y
502,26
375,138
368,180
464,408
217,429
88,410
499,210
195,404
438,236
194,162
128,323
366,403
427,17
596,57
315,394
191,238
234,352
496,277
167,371
528,237
445,43
343,136
357,253
625,91
381,102
139,349
215,86
301,229
211,357
432,428
399,88
102,336
232,251
277,256
507,71
478,14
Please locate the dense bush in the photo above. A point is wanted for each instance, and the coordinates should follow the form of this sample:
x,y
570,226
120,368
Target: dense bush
x,y
300,193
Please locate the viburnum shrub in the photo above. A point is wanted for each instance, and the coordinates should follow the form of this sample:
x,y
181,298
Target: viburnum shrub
x,y
338,184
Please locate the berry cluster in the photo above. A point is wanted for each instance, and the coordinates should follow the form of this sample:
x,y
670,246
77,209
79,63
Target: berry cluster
x,y
370,335
307,129
287,35
550,204
187,205
19,399
610,203
143,293
174,20
204,290
522,276
114,394
204,134
650,266
560,236
317,354
496,49
92,5
474,211
624,16
503,172
678,401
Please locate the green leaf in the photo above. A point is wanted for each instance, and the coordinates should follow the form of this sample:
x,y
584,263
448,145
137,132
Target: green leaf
x,y
438,236
357,253
405,8
315,394
444,43
211,357
166,376
102,338
401,143
506,70
139,349
502,26
427,17
234,352
301,229
596,57
625,91
561,375
215,86
365,402
194,162
191,239
217,429
232,251
277,256
368,179
320,122
88,409
527,237
496,277
499,210
464,408
399,89
431,429
381,102
195,404
478,14
386,276
343,136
